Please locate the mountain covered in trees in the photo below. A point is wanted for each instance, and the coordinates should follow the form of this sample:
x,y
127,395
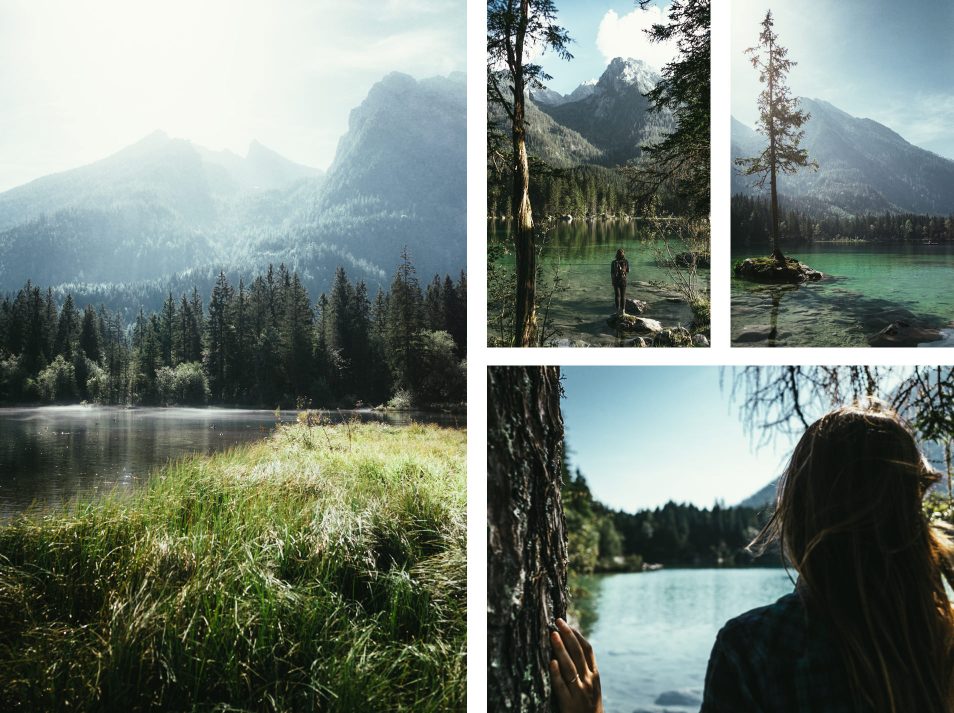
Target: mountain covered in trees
x,y
580,140
863,167
263,342
165,213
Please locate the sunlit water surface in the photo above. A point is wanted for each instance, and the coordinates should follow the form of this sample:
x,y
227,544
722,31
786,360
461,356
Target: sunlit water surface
x,y
866,288
652,632
50,454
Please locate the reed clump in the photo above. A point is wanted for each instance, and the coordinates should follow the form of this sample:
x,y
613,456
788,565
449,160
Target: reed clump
x,y
320,570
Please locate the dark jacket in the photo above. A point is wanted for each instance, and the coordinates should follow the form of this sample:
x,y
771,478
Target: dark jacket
x,y
776,659
619,269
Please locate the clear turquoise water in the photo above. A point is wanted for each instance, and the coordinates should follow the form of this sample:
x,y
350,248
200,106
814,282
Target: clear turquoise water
x,y
866,288
652,632
581,253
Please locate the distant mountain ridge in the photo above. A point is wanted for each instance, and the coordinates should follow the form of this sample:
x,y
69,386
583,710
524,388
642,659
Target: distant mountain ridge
x,y
864,166
164,206
603,121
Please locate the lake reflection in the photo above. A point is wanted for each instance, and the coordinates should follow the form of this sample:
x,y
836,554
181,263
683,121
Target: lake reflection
x,y
653,631
50,454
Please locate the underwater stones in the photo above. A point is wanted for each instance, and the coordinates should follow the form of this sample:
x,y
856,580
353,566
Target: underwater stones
x,y
768,269
904,334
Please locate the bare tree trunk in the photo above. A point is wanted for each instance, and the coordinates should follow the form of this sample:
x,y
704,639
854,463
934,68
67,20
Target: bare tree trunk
x,y
526,554
524,248
776,251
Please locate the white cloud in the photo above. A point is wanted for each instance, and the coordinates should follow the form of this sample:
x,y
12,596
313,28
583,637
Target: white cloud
x,y
625,36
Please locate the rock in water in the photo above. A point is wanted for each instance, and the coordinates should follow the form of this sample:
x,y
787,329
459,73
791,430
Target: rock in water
x,y
635,306
904,334
680,698
768,269
699,340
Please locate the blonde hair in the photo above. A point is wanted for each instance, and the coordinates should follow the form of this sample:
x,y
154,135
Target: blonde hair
x,y
850,520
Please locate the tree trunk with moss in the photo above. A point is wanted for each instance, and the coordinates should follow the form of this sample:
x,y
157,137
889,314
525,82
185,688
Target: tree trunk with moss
x,y
526,554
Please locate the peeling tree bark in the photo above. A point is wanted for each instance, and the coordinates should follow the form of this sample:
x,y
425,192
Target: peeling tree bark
x,y
526,554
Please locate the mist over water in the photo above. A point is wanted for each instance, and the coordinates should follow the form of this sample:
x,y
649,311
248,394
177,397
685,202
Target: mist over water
x,y
51,454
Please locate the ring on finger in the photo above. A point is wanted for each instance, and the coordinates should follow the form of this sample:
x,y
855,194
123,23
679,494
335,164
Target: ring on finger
x,y
575,678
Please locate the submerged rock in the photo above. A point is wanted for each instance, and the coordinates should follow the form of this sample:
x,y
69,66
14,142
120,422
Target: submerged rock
x,y
688,697
768,269
904,334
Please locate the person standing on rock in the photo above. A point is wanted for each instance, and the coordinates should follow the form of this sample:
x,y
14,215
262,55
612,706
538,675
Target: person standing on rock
x,y
619,269
869,627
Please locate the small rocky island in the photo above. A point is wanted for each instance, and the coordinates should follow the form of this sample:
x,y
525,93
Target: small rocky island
x,y
771,269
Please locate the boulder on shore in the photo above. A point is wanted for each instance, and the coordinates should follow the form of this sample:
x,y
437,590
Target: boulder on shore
x,y
699,340
673,337
629,323
768,269
904,334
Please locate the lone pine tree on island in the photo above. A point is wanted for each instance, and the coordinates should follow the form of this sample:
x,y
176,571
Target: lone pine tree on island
x,y
780,120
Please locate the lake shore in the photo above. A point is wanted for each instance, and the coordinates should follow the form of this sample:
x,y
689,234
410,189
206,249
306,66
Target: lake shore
x,y
321,568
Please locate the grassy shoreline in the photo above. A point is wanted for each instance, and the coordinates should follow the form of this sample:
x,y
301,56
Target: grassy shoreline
x,y
321,569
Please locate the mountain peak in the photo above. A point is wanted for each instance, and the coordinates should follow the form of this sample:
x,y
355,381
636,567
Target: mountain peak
x,y
622,72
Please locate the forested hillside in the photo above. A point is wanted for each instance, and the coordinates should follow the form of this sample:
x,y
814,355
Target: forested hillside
x,y
260,342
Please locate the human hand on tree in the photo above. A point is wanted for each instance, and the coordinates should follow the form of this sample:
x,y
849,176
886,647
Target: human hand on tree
x,y
573,673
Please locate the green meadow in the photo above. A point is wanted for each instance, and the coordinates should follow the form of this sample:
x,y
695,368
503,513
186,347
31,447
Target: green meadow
x,y
322,569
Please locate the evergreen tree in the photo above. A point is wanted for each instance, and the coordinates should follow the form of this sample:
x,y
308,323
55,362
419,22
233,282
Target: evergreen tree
x,y
404,323
683,156
218,330
166,328
780,120
66,329
89,338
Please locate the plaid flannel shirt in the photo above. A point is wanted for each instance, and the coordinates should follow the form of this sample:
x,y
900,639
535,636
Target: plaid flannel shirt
x,y
775,659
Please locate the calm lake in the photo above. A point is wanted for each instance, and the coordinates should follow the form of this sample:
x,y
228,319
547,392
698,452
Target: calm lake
x,y
653,631
866,288
580,253
50,454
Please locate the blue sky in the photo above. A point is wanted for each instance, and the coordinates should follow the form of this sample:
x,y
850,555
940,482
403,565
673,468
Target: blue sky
x,y
88,78
888,61
646,435
600,31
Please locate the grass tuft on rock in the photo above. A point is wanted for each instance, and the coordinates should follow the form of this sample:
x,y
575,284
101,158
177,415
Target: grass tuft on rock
x,y
322,569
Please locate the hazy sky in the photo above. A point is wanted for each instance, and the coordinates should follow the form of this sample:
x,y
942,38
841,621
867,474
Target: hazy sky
x,y
646,435
880,59
84,79
600,31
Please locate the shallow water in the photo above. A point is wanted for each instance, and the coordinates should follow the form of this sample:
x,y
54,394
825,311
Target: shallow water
x,y
866,288
580,253
652,632
50,454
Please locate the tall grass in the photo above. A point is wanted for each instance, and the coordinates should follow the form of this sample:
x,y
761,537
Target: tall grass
x,y
321,570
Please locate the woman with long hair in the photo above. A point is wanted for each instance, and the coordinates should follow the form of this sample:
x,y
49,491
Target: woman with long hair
x,y
869,627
